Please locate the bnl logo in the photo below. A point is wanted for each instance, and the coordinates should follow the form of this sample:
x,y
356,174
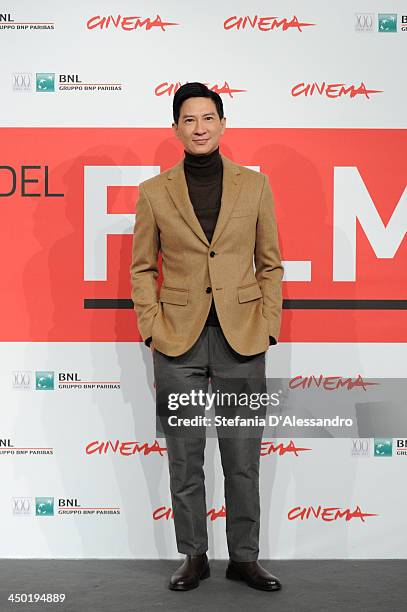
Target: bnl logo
x,y
383,447
387,22
44,506
45,81
44,381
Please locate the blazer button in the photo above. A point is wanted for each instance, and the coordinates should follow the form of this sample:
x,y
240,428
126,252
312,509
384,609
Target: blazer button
x,y
212,253
208,289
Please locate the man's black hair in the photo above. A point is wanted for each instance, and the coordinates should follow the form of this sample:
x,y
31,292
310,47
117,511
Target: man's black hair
x,y
195,90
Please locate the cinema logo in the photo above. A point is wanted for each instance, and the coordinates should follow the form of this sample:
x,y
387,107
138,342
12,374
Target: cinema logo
x,y
332,90
124,448
7,448
327,514
166,513
268,448
131,447
265,24
330,383
127,23
170,89
7,22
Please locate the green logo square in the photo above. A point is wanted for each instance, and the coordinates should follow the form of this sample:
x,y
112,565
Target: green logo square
x,y
45,81
44,381
387,22
383,447
44,506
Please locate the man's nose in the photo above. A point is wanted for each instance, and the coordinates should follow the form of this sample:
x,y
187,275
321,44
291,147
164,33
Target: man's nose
x,y
200,127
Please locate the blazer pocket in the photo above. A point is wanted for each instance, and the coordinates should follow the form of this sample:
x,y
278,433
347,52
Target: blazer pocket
x,y
249,292
243,212
171,295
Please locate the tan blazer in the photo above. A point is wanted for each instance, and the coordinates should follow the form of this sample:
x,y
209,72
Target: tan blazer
x,y
248,302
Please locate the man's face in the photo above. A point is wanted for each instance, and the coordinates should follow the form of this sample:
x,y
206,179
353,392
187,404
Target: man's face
x,y
199,127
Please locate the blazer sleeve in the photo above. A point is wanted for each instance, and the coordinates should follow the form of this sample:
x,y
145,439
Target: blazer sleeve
x,y
144,266
269,269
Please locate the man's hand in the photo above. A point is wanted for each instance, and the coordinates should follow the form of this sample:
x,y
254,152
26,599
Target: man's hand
x,y
151,346
149,342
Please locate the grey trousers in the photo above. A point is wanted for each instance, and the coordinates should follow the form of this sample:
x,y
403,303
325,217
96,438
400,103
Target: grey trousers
x,y
212,357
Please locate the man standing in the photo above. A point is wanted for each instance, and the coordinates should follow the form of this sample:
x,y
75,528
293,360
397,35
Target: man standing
x,y
214,318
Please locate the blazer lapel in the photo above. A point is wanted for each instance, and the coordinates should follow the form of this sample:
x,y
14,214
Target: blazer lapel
x,y
232,182
178,190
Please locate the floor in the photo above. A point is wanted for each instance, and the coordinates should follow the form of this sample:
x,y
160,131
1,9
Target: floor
x,y
138,585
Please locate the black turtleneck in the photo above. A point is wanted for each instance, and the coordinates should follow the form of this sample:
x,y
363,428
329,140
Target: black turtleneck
x,y
204,176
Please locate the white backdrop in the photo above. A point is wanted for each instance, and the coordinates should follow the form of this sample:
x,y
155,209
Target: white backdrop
x,y
130,494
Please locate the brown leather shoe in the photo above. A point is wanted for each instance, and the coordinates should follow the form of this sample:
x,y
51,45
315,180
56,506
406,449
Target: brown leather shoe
x,y
253,574
188,575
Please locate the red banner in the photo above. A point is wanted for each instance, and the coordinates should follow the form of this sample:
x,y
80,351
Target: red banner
x,y
313,174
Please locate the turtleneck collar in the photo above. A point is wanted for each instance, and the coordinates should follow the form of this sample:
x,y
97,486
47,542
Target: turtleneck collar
x,y
203,164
